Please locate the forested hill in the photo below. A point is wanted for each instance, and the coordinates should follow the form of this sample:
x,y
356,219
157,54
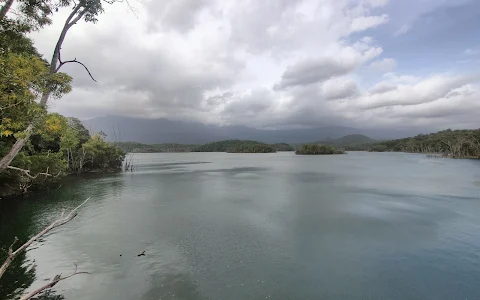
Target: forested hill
x,y
450,143
236,146
130,147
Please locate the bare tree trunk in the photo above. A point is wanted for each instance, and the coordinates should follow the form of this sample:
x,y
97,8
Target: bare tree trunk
x,y
16,148
5,9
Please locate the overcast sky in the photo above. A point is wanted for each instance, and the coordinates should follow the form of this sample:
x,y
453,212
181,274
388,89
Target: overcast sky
x,y
283,63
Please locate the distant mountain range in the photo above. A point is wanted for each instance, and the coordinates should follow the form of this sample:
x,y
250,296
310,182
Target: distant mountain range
x,y
156,131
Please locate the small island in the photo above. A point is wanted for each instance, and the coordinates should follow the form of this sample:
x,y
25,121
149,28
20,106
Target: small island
x,y
257,148
236,146
316,149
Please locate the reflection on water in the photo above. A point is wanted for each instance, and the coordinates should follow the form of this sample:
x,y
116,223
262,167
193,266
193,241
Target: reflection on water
x,y
248,226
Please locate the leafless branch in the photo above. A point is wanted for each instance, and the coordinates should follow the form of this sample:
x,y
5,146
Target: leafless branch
x,y
10,105
27,173
10,249
59,222
49,285
72,61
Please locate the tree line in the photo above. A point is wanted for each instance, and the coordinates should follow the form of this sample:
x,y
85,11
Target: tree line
x,y
448,143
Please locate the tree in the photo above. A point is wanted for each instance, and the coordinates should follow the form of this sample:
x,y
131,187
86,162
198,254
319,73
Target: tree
x,y
316,149
88,10
448,143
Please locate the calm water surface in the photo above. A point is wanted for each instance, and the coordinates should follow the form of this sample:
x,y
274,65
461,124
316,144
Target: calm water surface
x,y
259,226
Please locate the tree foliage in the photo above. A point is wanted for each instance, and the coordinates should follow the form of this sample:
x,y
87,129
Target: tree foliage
x,y
282,147
236,146
134,147
317,149
252,148
449,143
59,146
52,145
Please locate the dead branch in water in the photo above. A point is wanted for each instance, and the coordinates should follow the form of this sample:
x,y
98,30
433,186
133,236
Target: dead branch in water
x,y
59,222
27,173
129,165
49,285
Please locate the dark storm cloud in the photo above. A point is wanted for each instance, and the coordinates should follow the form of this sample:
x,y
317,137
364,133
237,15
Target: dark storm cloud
x,y
179,15
165,79
339,89
313,70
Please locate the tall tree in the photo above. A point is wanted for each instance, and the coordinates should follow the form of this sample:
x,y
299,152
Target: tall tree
x,y
88,10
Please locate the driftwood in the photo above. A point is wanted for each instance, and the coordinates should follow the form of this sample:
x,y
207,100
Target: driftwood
x,y
49,285
59,222
27,173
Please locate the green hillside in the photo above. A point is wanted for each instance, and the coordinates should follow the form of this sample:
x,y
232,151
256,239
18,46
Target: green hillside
x,y
449,143
282,147
235,146
155,148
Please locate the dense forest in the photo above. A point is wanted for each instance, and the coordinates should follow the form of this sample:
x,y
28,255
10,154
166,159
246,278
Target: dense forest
x,y
37,146
133,147
60,146
282,147
250,148
449,143
317,149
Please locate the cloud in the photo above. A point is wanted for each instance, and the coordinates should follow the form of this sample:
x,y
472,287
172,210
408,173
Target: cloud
x,y
179,15
314,70
377,3
286,63
470,51
424,91
363,23
384,65
405,28
339,88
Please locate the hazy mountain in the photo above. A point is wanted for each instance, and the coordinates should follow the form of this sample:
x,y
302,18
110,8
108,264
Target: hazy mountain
x,y
153,131
350,140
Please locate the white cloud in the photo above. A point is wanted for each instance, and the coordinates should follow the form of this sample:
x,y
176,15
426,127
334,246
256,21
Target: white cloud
x,y
425,90
402,30
363,23
384,65
218,61
377,3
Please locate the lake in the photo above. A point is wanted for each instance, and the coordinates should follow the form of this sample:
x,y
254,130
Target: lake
x,y
259,226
